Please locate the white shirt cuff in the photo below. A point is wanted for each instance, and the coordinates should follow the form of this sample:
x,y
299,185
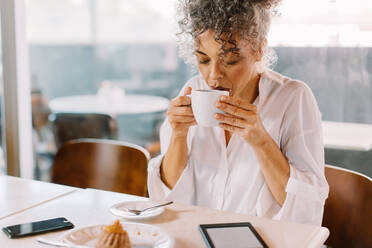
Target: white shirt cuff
x,y
182,192
307,185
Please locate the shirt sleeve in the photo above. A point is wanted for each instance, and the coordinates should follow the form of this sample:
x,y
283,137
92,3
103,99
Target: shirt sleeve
x,y
302,144
183,191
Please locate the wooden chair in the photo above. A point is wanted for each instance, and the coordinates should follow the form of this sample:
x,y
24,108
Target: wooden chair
x,y
102,164
69,126
348,209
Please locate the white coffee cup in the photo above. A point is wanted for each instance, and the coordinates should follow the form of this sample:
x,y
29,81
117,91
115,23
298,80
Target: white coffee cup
x,y
203,104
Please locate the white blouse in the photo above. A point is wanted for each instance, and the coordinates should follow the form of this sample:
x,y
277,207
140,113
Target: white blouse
x,y
230,178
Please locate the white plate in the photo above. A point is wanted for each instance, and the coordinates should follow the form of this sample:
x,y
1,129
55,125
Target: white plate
x,y
120,211
140,235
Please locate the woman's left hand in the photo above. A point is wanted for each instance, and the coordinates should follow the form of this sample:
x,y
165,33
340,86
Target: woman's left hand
x,y
241,117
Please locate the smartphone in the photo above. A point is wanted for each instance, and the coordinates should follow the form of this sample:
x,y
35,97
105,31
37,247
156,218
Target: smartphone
x,y
32,228
231,235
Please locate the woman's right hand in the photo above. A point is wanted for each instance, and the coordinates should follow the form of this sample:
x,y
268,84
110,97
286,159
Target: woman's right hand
x,y
180,114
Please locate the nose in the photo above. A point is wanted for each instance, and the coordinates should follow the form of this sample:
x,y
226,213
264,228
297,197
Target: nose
x,y
215,73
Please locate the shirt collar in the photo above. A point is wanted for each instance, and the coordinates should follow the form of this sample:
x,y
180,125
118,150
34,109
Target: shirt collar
x,y
269,79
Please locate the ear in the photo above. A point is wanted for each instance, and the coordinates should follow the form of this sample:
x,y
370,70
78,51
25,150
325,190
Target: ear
x,y
261,50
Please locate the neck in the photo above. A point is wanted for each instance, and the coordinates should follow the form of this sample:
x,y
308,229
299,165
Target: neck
x,y
250,90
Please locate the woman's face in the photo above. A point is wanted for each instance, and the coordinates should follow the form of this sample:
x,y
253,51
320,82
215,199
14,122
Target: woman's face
x,y
232,72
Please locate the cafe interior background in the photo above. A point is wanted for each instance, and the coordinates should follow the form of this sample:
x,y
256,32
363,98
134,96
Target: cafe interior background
x,y
86,47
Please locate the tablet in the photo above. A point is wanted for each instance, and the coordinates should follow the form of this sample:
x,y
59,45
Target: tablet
x,y
231,235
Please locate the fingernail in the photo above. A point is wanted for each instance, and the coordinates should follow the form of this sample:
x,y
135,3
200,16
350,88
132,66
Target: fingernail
x,y
223,98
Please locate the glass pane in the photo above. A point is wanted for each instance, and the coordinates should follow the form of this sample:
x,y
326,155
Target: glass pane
x,y
338,23
101,57
330,49
133,21
96,51
57,21
2,121
334,41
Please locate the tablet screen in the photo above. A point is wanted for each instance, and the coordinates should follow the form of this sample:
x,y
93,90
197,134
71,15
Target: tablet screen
x,y
232,235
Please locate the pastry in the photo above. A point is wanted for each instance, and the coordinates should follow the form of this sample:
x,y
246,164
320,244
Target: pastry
x,y
113,236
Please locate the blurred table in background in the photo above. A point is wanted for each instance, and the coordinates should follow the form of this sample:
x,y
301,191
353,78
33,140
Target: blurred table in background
x,y
138,117
130,104
347,136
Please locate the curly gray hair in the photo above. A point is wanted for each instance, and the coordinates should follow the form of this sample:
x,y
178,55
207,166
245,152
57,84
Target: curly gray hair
x,y
249,19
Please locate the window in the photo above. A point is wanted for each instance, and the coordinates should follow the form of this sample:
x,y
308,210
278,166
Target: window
x,y
328,45
319,23
79,46
2,131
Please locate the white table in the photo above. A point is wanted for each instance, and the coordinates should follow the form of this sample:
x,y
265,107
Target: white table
x,y
347,136
130,104
17,195
90,207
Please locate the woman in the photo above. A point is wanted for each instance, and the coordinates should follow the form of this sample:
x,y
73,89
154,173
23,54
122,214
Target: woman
x,y
266,156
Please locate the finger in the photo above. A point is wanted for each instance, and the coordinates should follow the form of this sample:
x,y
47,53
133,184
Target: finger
x,y
239,102
187,91
234,110
228,114
233,121
191,123
186,111
230,128
180,118
183,125
181,101
249,119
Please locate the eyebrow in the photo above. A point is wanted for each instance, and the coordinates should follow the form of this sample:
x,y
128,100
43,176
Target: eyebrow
x,y
201,52
221,54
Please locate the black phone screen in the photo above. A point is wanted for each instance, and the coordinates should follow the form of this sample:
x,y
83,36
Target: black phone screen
x,y
38,227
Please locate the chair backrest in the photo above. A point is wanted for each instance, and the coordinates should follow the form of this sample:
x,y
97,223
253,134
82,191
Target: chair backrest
x,y
69,126
102,164
348,209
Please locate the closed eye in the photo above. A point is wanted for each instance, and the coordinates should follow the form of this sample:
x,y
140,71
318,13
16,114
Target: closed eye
x,y
232,62
205,61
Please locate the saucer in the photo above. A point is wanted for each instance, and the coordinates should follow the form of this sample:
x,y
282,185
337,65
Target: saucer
x,y
140,235
119,210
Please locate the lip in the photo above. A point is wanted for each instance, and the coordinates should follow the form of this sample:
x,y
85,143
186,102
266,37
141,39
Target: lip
x,y
220,88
